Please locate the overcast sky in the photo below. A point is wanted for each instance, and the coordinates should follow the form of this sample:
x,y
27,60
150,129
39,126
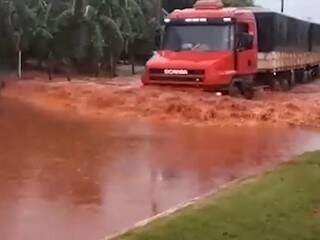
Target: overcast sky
x,y
306,9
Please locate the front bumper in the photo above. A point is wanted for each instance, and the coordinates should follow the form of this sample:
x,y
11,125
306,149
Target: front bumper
x,y
194,78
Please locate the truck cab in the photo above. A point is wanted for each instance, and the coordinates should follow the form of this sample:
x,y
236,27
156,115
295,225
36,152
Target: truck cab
x,y
207,46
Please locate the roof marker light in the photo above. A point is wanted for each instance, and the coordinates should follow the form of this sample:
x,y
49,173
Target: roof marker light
x,y
195,20
227,19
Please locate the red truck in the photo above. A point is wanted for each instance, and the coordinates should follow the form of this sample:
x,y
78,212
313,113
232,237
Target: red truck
x,y
233,50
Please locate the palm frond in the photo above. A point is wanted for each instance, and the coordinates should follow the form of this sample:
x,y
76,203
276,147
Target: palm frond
x,y
62,19
112,35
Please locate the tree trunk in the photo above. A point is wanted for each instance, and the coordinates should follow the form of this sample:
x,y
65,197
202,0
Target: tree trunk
x,y
132,59
19,64
112,66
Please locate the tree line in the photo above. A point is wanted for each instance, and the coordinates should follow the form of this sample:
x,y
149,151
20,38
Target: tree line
x,y
89,35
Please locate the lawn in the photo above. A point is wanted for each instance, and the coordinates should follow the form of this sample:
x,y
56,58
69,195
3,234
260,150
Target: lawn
x,y
281,205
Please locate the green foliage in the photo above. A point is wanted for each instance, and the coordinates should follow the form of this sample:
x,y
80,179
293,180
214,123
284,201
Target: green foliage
x,y
89,32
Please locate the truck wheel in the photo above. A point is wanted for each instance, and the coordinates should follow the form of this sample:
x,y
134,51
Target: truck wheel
x,y
275,85
248,90
292,83
306,76
285,85
234,89
313,74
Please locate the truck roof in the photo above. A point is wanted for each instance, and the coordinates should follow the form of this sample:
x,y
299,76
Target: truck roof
x,y
209,13
257,9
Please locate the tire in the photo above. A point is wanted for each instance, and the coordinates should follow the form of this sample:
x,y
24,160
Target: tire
x,y
234,89
314,74
292,82
242,88
248,90
285,85
275,85
306,77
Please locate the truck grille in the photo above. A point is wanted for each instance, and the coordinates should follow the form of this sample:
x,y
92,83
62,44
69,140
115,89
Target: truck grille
x,y
177,75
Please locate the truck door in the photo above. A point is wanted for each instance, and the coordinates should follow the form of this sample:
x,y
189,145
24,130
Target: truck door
x,y
246,49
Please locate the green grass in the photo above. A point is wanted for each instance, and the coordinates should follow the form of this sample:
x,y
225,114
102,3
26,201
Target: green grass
x,y
281,205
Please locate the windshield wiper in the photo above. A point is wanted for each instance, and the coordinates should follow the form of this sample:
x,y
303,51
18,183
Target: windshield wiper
x,y
196,46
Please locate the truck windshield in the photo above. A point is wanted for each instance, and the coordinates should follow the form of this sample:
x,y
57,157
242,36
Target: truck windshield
x,y
198,38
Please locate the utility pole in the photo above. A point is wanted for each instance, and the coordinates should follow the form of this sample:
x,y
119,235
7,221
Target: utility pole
x,y
282,6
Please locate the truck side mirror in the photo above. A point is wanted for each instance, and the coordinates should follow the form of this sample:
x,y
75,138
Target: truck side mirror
x,y
245,41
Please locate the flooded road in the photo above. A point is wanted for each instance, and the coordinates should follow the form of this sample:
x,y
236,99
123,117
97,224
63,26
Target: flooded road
x,y
65,178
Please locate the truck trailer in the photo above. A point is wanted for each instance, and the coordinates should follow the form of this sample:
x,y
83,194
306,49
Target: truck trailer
x,y
234,50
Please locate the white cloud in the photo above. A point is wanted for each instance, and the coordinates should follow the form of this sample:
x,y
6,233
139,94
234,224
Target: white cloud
x,y
307,9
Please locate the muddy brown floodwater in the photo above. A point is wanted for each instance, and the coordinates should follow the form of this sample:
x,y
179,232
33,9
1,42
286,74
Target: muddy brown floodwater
x,y
67,178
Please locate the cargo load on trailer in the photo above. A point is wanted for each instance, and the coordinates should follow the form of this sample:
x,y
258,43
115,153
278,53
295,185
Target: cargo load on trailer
x,y
234,50
285,42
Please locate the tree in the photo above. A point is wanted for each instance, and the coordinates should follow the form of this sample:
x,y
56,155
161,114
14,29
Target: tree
x,y
87,33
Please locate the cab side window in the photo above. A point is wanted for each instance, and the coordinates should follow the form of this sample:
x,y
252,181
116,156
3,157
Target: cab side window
x,y
242,29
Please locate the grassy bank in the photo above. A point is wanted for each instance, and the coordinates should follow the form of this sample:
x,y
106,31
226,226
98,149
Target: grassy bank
x,y
282,205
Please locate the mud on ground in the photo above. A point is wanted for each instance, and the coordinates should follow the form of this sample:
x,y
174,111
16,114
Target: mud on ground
x,y
125,96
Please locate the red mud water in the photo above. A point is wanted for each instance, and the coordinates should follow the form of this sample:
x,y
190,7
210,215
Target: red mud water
x,y
125,97
82,179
